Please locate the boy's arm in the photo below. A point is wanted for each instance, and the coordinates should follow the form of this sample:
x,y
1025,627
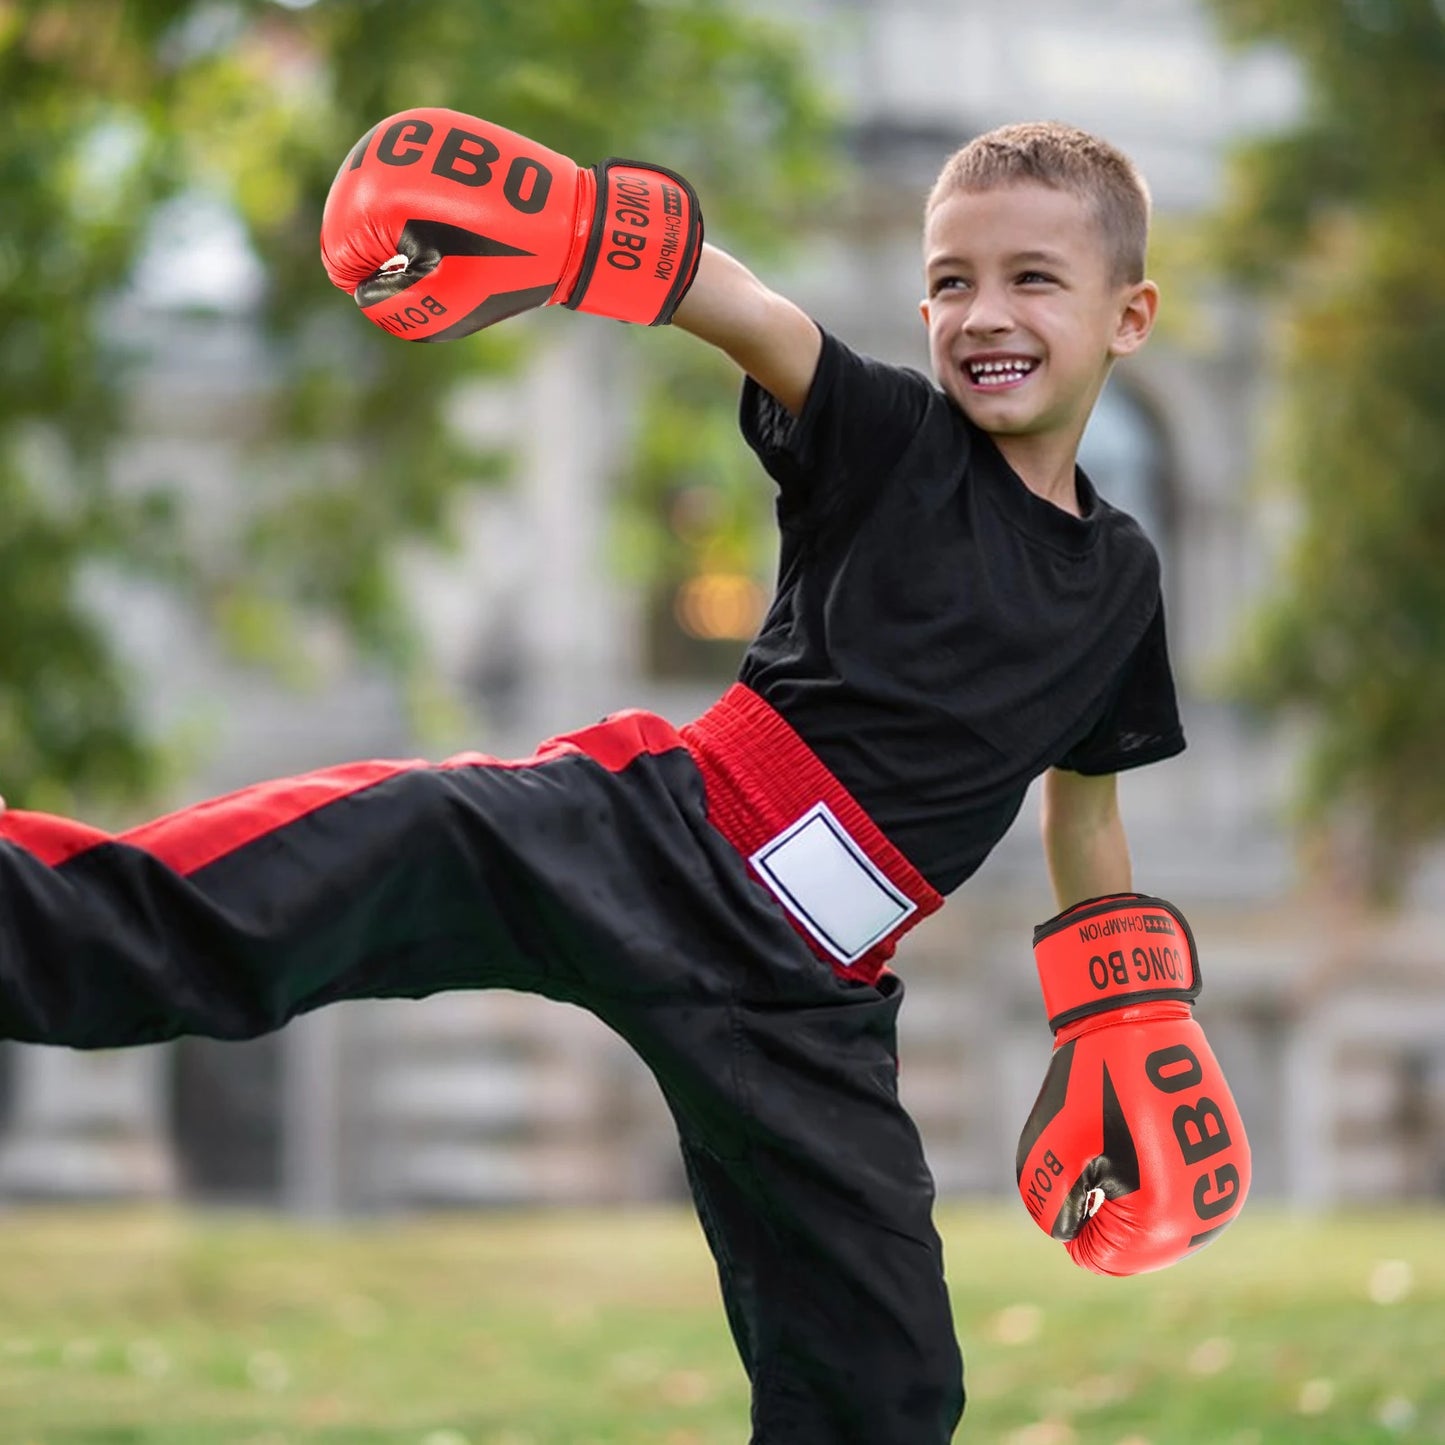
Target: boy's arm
x,y
439,224
1135,1154
1083,833
775,341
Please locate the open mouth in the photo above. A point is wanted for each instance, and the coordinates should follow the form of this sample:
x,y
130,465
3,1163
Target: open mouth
x,y
995,375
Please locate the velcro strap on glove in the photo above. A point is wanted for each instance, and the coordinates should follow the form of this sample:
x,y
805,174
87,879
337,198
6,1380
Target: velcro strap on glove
x,y
1108,953
644,245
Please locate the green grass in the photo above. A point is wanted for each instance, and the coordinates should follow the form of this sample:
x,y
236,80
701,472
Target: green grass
x,y
145,1328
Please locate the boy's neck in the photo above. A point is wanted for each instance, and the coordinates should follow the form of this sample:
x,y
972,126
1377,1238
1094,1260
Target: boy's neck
x,y
1046,465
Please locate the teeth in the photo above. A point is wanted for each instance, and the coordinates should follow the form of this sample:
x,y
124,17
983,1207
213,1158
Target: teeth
x,y
998,372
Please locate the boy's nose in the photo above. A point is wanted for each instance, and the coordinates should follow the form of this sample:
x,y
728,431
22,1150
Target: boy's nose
x,y
988,316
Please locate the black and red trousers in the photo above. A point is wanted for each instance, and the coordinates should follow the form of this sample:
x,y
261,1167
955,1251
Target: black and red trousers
x,y
666,880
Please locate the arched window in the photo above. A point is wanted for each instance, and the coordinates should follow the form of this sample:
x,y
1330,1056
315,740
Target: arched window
x,y
1124,455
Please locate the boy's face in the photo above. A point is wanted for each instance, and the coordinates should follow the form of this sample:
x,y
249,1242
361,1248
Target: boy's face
x,y
1023,314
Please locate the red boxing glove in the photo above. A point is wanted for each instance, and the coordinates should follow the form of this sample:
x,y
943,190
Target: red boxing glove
x,y
439,224
1134,1154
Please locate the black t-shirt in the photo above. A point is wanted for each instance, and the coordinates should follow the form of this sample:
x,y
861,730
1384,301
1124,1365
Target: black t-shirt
x,y
941,635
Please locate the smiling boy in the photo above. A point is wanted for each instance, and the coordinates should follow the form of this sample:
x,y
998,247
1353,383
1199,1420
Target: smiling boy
x,y
962,612
1034,249
957,613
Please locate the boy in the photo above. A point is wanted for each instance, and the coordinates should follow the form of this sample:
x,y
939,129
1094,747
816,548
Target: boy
x,y
957,613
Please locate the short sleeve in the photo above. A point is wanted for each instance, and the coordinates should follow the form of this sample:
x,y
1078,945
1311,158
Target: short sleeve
x,y
860,417
1140,721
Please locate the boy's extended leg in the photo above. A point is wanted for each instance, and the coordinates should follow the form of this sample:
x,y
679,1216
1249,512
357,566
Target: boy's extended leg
x,y
369,880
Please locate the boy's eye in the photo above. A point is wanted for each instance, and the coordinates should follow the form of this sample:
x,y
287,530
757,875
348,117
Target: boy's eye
x,y
947,283
1035,278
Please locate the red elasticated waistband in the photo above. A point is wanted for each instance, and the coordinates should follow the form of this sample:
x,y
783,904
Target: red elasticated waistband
x,y
762,778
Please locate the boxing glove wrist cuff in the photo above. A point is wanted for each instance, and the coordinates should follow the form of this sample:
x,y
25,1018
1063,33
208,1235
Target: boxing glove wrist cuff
x,y
643,248
1109,953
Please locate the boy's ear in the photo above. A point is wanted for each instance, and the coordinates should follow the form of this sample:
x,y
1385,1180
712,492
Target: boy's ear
x,y
1140,305
923,311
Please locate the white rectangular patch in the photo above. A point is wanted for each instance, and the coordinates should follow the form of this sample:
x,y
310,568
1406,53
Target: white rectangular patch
x,y
833,889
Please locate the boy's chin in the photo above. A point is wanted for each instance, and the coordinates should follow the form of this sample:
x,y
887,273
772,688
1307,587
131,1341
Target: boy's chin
x,y
997,419
1014,417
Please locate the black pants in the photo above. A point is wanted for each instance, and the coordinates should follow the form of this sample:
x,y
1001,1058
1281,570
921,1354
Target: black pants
x,y
588,874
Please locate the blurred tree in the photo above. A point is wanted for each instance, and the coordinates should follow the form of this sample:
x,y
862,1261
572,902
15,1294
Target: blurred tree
x,y
114,110
692,525
1340,222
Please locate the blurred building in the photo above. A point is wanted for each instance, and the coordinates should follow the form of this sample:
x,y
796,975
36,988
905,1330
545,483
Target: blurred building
x,y
1331,1030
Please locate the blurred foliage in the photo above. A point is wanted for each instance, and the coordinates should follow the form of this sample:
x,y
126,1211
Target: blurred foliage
x,y
692,525
692,501
115,110
1342,218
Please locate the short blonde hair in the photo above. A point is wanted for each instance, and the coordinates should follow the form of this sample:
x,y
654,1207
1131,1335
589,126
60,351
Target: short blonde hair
x,y
1053,154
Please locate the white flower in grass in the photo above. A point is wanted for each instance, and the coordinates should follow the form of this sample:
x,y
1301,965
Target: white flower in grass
x,y
1390,1281
1211,1356
1098,1391
148,1358
445,1437
1016,1324
1044,1432
1395,1412
685,1387
1315,1397
268,1371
